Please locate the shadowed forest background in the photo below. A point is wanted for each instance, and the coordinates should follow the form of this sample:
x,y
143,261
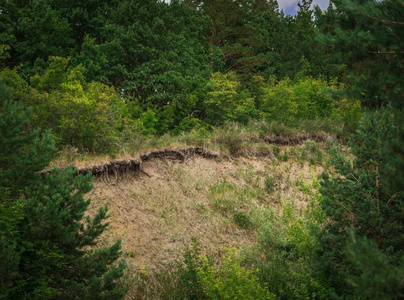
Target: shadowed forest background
x,y
321,91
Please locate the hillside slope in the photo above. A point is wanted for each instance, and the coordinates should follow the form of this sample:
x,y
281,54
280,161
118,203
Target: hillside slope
x,y
158,210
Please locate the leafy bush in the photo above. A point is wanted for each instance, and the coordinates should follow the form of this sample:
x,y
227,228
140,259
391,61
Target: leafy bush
x,y
349,112
89,116
290,101
189,281
226,101
230,280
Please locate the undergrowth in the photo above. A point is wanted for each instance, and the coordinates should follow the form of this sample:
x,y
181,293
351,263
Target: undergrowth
x,y
232,140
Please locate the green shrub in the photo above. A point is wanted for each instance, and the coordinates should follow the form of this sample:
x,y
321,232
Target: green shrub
x,y
149,121
88,116
242,219
290,101
287,252
230,280
189,281
348,111
227,102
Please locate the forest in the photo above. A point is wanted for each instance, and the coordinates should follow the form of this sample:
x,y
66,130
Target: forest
x,y
85,81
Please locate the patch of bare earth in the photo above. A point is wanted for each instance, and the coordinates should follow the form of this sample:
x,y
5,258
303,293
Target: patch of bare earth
x,y
157,212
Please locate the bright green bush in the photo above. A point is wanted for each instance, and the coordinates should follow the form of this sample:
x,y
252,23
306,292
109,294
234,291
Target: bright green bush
x,y
349,112
230,280
226,101
88,116
149,121
287,252
290,101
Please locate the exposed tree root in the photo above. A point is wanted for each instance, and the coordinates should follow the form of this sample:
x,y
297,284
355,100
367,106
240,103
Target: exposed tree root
x,y
118,167
294,140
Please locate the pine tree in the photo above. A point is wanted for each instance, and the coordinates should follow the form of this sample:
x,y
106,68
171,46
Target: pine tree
x,y
22,154
363,240
368,35
235,31
47,246
304,27
363,198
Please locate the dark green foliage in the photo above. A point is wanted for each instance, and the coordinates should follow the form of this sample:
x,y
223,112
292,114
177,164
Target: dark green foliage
x,y
242,219
154,57
36,31
47,245
160,57
367,35
364,197
22,153
381,275
54,260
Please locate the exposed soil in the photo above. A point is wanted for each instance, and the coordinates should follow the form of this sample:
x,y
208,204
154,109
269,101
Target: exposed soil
x,y
157,212
132,165
294,140
161,200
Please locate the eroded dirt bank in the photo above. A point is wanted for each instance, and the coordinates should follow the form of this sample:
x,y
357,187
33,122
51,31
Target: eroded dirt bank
x,y
176,195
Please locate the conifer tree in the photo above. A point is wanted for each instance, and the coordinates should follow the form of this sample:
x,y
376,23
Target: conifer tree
x,y
363,240
368,35
364,236
47,246
363,201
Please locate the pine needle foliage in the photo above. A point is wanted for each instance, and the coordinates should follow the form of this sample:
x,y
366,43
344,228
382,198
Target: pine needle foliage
x,y
48,247
363,197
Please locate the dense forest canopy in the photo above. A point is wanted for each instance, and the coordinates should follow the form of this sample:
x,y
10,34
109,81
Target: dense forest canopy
x,y
96,75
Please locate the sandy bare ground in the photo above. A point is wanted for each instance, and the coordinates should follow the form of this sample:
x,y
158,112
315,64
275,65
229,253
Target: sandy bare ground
x,y
156,212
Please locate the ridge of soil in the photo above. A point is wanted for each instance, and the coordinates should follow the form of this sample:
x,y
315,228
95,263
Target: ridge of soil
x,y
133,165
294,140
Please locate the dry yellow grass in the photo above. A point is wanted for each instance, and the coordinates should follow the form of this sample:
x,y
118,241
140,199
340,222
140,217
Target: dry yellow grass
x,y
157,212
